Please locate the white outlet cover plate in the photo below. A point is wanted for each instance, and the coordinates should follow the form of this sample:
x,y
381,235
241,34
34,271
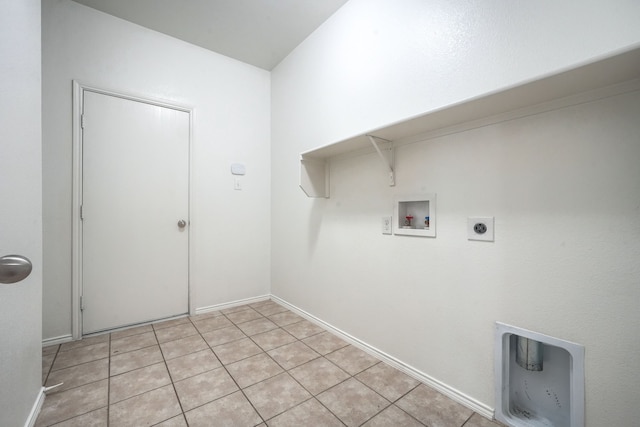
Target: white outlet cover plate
x,y
487,236
386,225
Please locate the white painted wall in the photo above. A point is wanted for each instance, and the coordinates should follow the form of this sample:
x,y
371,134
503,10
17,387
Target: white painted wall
x,y
20,208
562,185
230,229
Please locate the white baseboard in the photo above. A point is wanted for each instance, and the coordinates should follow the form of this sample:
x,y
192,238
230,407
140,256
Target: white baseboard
x,y
35,410
231,304
57,340
463,399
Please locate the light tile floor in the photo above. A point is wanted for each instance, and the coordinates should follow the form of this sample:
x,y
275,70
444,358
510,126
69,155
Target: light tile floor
x,y
254,365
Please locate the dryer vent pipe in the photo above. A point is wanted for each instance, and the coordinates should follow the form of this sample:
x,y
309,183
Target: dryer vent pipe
x,y
529,354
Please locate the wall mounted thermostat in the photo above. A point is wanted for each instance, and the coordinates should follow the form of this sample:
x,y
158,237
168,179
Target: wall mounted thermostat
x,y
480,228
238,169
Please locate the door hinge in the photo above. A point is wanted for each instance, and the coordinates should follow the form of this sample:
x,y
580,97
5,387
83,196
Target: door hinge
x,y
81,303
81,213
82,122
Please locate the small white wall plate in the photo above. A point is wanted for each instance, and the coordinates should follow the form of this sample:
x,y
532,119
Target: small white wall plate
x,y
480,228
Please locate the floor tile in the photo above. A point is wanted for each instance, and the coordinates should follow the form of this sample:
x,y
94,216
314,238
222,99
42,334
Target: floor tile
x,y
273,339
47,362
309,413
176,332
223,336
393,416
171,322
285,318
352,359
270,308
66,359
235,409
211,323
136,330
318,375
136,382
204,388
276,395
478,420
206,314
97,418
235,309
126,362
192,364
97,339
236,350
433,408
61,406
177,348
325,342
178,421
78,375
50,349
253,369
353,402
244,316
131,343
291,355
257,326
145,409
303,329
388,381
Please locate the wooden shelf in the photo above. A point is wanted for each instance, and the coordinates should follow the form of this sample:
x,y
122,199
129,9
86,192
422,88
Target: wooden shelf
x,y
620,68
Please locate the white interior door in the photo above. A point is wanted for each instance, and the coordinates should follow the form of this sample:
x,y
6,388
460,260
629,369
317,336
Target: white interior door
x,y
135,185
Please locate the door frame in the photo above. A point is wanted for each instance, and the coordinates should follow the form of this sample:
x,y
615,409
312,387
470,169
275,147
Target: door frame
x,y
76,243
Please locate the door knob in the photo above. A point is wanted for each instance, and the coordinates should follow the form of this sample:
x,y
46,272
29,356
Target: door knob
x,y
182,223
14,268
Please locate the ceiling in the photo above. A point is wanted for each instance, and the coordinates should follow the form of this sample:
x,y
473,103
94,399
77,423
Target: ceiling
x,y
258,32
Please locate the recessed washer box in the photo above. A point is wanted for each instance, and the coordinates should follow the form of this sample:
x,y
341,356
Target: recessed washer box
x,y
416,215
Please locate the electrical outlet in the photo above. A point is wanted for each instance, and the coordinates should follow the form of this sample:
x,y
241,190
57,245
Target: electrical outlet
x,y
386,225
480,228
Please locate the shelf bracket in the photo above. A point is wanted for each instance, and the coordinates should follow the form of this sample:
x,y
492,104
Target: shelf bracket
x,y
388,161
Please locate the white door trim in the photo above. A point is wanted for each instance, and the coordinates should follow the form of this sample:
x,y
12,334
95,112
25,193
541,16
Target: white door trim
x,y
76,244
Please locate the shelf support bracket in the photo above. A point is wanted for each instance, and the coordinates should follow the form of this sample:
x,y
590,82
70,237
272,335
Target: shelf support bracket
x,y
388,161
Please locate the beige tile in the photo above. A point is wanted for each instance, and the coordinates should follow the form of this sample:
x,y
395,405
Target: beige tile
x,y
273,339
223,336
244,316
178,421
318,375
352,359
303,329
192,364
64,405
136,330
292,355
145,409
253,369
137,382
235,309
97,339
177,348
79,374
478,420
270,308
131,343
353,402
236,350
393,416
309,413
234,408
211,323
387,381
325,342
126,362
204,388
257,326
206,314
171,322
285,318
66,359
275,395
47,362
176,332
97,418
50,349
433,408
